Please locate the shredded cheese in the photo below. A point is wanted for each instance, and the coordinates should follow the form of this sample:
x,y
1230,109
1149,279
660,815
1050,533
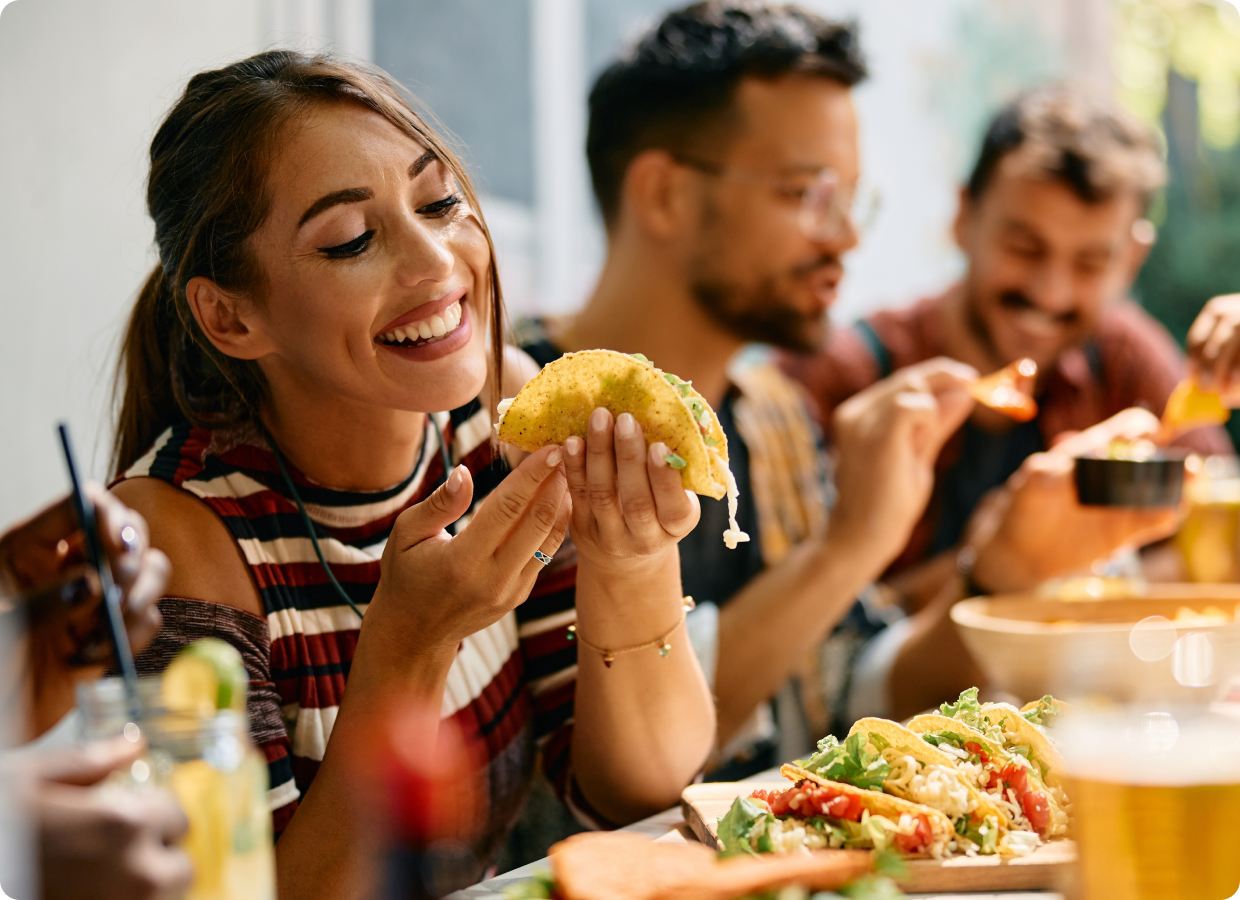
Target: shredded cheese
x,y
733,535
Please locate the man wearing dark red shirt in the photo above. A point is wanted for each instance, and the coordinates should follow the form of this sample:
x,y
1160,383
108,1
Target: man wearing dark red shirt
x,y
1051,225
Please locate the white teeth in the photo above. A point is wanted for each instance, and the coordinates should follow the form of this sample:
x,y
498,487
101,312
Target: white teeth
x,y
430,330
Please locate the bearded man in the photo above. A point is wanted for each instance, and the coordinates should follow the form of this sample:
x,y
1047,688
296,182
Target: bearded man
x,y
723,153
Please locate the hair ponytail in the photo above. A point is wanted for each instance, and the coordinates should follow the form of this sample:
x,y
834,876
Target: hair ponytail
x,y
148,403
207,196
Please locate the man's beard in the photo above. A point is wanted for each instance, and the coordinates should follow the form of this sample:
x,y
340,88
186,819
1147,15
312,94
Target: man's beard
x,y
762,314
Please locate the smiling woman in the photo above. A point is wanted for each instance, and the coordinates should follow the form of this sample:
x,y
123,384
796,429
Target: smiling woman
x,y
307,383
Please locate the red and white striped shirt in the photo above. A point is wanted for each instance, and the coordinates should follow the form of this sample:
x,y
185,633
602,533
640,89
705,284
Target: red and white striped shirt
x,y
510,689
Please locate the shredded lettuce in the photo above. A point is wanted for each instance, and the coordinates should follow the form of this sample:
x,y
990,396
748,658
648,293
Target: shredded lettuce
x,y
737,826
641,358
945,737
1023,749
966,709
850,762
985,833
540,886
1045,712
711,442
675,461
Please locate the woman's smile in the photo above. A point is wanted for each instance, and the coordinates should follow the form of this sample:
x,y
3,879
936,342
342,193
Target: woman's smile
x,y
431,331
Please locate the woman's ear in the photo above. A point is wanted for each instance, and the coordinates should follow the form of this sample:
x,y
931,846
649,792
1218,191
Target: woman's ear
x,y
225,319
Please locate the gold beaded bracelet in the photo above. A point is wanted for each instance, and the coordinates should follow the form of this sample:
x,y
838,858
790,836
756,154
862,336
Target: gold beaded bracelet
x,y
663,643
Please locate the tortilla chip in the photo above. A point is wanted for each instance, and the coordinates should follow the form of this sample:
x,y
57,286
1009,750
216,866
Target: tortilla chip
x,y
620,866
558,401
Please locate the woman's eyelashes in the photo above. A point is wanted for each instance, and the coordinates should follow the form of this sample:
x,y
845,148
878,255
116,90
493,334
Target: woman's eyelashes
x,y
351,248
440,207
358,245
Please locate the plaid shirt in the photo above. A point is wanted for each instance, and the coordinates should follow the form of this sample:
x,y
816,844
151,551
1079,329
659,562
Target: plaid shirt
x,y
1130,361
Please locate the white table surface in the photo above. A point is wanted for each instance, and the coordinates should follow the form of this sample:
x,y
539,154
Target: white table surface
x,y
669,826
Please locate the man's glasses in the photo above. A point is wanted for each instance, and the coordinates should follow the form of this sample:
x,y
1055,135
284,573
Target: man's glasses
x,y
827,207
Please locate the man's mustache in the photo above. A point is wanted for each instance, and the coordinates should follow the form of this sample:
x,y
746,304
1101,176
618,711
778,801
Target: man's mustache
x,y
1019,302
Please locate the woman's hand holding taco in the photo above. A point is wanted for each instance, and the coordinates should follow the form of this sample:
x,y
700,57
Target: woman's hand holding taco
x,y
628,504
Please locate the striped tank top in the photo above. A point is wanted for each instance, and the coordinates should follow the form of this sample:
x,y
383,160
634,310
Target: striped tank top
x,y
510,689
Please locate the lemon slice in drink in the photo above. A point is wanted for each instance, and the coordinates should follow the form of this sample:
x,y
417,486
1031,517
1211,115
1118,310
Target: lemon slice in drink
x,y
205,677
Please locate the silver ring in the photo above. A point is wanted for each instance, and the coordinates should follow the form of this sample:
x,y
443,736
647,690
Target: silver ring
x,y
129,537
542,557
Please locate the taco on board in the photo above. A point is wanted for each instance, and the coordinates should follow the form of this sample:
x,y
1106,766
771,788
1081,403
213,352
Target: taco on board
x,y
816,813
1010,756
557,403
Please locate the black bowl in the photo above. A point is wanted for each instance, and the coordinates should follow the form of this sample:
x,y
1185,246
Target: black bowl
x,y
1153,482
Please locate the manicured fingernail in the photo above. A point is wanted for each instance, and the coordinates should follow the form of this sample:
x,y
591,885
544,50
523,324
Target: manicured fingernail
x,y
456,479
553,458
626,425
658,454
598,419
573,445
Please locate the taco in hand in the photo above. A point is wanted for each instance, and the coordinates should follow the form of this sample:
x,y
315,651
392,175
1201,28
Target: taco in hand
x,y
557,403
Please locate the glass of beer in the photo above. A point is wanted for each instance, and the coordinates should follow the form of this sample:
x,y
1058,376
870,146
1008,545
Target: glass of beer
x,y
1156,803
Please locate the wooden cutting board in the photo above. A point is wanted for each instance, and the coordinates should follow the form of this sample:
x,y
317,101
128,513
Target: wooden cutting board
x,y
1047,868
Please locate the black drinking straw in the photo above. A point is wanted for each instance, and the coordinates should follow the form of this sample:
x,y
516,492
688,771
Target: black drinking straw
x,y
85,511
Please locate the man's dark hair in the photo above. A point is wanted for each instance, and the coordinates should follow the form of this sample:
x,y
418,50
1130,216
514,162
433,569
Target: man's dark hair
x,y
674,89
1060,133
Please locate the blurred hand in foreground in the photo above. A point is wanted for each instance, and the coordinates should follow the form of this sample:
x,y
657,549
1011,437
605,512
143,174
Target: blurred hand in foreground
x,y
1214,347
887,439
1033,528
104,842
44,573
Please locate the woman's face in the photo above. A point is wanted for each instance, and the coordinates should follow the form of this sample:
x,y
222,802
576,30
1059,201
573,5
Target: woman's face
x,y
376,270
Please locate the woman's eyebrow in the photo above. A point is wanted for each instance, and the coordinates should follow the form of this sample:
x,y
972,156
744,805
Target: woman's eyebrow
x,y
348,195
421,163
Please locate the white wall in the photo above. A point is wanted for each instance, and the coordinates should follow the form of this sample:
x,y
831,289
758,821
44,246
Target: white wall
x,y
83,84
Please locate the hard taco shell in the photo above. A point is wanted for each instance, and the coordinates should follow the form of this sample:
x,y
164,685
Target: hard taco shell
x,y
904,740
877,802
558,401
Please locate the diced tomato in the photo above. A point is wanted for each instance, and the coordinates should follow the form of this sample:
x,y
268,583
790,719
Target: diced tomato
x,y
995,781
918,840
1016,777
1037,810
976,749
807,800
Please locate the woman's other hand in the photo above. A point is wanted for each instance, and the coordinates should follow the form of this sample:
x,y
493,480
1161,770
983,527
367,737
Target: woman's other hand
x,y
436,589
628,503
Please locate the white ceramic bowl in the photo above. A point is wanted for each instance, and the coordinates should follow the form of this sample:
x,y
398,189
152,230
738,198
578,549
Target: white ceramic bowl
x,y
1029,646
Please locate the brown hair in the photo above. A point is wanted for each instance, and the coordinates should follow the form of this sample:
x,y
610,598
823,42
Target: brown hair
x,y
207,196
1059,132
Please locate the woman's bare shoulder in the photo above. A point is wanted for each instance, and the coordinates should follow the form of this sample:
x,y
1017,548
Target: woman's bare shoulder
x,y
206,562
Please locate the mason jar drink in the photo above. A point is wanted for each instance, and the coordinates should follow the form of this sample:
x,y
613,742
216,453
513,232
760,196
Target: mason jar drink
x,y
204,756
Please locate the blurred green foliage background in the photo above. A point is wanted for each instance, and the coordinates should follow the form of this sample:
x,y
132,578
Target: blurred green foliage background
x,y
1177,66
